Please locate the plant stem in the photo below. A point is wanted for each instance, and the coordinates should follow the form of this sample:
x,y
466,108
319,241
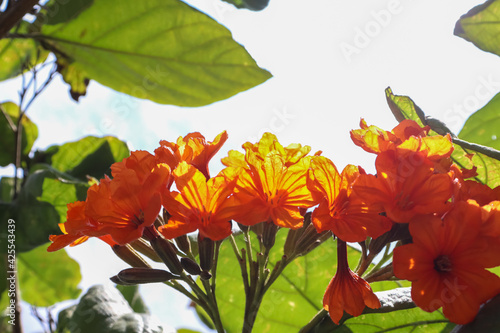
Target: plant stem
x,y
15,13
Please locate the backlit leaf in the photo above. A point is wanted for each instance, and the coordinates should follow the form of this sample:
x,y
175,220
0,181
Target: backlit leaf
x,y
46,279
483,127
91,156
19,54
41,205
162,50
481,26
291,301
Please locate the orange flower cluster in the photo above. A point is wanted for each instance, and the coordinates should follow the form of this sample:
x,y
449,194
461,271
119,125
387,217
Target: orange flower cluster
x,y
454,223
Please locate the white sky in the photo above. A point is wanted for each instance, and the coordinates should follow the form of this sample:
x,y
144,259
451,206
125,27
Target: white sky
x,y
317,95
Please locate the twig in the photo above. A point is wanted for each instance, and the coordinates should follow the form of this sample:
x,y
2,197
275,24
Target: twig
x,y
14,14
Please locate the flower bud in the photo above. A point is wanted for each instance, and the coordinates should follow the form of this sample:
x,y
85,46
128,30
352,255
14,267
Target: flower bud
x,y
310,238
190,266
258,228
129,255
144,275
291,241
205,275
143,247
269,234
116,280
166,251
183,243
206,249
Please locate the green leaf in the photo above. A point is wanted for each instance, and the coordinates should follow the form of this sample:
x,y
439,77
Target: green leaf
x,y
41,205
291,301
186,330
91,156
481,26
488,168
72,75
4,297
109,313
249,4
412,320
7,188
19,54
161,50
63,319
402,107
483,127
46,279
8,121
133,297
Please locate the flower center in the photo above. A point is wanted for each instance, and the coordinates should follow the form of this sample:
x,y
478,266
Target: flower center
x,y
442,264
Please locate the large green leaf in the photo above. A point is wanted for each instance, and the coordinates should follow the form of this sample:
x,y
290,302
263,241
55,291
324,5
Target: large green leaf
x,y
9,116
483,127
291,301
162,50
41,205
481,26
7,188
46,279
91,156
411,320
19,54
104,310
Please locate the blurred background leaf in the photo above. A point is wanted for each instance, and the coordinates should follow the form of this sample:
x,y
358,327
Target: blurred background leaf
x,y
47,279
20,54
8,118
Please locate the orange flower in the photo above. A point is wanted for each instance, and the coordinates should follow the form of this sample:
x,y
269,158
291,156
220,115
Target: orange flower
x,y
267,144
77,229
347,291
269,190
406,136
204,205
490,229
405,186
131,201
471,189
447,263
338,211
192,148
